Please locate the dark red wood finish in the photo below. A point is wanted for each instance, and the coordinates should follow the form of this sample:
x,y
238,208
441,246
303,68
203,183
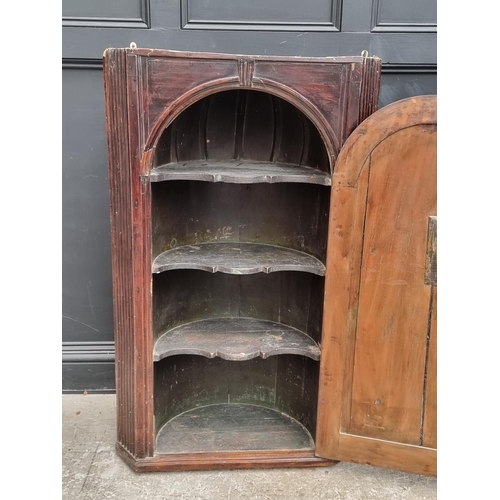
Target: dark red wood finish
x,y
223,460
145,91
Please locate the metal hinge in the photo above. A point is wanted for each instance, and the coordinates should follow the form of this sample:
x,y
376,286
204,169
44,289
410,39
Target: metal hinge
x,y
430,277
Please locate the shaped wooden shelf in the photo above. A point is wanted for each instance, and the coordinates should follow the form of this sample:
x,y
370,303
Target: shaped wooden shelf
x,y
239,172
235,339
232,427
237,258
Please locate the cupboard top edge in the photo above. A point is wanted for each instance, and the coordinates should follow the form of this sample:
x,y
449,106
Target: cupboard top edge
x,y
161,53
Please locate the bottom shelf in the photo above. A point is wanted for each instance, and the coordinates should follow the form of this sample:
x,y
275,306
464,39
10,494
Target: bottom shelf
x,y
232,427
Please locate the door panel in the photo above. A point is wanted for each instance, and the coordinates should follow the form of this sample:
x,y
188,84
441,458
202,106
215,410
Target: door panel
x,y
391,335
377,401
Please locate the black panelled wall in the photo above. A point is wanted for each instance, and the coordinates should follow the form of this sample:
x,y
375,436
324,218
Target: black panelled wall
x,y
401,32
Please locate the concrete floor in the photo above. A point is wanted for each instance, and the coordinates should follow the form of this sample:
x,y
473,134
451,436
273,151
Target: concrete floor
x,y
92,470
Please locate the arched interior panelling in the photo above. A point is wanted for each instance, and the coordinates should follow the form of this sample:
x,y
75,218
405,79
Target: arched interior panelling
x,y
243,124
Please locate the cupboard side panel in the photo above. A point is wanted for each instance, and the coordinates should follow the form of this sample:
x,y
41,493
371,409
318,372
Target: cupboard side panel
x,y
115,65
140,192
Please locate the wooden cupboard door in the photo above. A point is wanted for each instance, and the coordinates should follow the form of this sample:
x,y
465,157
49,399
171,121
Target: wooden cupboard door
x,y
377,401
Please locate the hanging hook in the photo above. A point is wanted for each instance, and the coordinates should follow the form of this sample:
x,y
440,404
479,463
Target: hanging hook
x,y
364,53
133,45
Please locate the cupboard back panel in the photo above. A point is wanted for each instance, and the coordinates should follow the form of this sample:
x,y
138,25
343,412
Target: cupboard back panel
x,y
284,214
184,382
291,298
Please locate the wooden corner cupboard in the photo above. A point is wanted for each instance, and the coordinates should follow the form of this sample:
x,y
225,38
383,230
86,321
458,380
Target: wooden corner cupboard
x,y
273,252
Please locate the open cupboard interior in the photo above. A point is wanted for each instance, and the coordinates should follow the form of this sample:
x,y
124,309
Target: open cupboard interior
x,y
240,200
221,173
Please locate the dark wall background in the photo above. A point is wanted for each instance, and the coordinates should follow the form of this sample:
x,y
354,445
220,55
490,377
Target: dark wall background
x,y
401,32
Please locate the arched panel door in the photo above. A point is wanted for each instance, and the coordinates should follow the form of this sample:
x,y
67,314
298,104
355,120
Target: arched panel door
x,y
377,401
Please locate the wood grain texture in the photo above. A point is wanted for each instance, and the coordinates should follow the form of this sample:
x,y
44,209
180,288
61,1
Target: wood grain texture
x,y
257,137
232,427
429,431
340,304
419,110
140,194
121,242
131,242
188,381
188,133
223,460
237,258
235,339
402,457
286,383
292,135
223,125
377,245
243,125
297,389
391,333
370,88
290,298
312,85
239,172
356,243
287,215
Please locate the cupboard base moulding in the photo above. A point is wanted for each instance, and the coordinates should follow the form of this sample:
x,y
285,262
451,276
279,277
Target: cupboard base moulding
x,y
219,461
